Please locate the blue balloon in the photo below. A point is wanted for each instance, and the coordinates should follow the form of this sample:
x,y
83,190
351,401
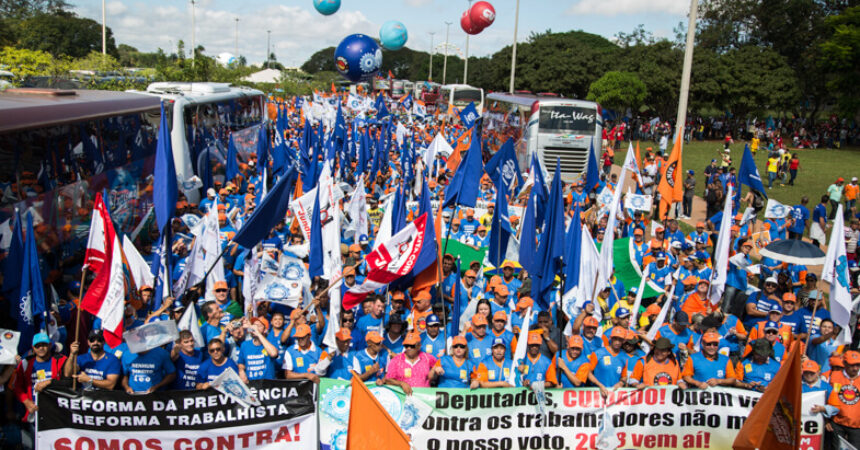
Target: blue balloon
x,y
327,7
358,57
393,35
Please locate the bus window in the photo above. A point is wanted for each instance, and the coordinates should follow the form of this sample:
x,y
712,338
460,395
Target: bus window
x,y
567,119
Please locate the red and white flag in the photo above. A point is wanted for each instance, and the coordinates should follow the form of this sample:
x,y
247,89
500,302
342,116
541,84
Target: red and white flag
x,y
95,255
105,297
391,260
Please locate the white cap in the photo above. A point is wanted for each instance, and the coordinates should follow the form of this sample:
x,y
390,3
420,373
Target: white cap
x,y
771,280
853,178
210,192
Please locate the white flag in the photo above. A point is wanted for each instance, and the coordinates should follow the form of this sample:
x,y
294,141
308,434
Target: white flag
x,y
835,272
154,334
637,202
635,313
520,352
9,346
211,240
775,209
229,384
630,161
357,209
721,254
140,270
189,322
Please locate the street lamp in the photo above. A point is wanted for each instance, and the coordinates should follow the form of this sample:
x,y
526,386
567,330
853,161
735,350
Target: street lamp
x,y
445,61
430,77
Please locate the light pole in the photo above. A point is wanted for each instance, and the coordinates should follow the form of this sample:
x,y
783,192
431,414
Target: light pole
x,y
193,37
466,63
268,52
104,30
237,37
514,53
445,61
430,77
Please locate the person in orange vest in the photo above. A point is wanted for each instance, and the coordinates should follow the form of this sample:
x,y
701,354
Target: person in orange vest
x,y
846,397
697,302
659,368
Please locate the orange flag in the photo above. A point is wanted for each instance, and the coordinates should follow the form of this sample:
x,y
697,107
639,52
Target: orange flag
x,y
370,425
671,187
461,146
774,423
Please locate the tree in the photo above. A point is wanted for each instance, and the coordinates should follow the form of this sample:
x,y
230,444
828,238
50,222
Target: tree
x,y
63,33
24,63
658,66
618,91
840,58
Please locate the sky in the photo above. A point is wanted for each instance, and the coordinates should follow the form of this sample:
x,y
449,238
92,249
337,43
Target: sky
x,y
298,30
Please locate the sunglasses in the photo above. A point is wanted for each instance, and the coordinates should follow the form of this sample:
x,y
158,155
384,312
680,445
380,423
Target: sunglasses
x,y
500,321
96,339
220,290
712,344
348,320
410,346
216,349
459,346
770,332
41,344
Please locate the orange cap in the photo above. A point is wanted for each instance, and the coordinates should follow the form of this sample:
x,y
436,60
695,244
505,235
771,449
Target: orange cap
x,y
302,331
524,303
836,361
478,320
574,341
851,357
348,271
590,322
398,295
220,285
809,366
711,337
508,264
412,338
789,297
502,290
618,332
471,273
690,280
652,309
500,315
534,338
700,224
295,314
343,334
373,336
470,212
461,340
423,294
355,248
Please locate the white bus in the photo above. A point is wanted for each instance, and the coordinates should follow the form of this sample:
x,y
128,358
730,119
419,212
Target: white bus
x,y
552,127
202,116
459,96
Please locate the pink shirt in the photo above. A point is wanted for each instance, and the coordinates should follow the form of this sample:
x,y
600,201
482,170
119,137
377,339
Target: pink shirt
x,y
415,375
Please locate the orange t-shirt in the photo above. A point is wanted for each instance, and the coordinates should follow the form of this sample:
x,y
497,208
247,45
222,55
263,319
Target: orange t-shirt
x,y
652,373
846,397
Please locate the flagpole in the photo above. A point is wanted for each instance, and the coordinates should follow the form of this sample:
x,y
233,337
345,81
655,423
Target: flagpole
x,y
814,309
78,327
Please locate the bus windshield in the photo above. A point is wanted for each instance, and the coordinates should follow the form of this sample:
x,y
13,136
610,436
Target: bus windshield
x,y
462,97
570,119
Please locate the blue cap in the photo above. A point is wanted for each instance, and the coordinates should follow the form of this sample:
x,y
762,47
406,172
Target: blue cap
x,y
432,319
661,255
771,325
691,172
499,341
702,255
776,308
41,338
621,313
634,290
74,285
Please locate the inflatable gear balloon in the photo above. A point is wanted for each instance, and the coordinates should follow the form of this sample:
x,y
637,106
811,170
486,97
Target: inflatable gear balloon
x,y
467,25
393,35
482,14
327,7
358,57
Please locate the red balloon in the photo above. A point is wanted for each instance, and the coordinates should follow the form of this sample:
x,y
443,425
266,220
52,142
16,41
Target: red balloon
x,y
467,25
482,14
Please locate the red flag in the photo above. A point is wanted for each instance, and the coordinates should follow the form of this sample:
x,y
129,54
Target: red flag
x,y
105,297
95,254
389,261
370,426
774,423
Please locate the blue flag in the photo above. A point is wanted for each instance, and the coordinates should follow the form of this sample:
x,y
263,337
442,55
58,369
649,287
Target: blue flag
x,y
160,268
551,247
315,257
382,110
748,173
31,297
262,149
592,173
280,158
398,215
500,230
164,189
463,189
503,166
469,115
232,161
271,210
407,102
456,307
573,250
540,185
363,153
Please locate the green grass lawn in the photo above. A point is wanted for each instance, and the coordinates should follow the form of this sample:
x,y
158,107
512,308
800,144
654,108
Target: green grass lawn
x,y
819,168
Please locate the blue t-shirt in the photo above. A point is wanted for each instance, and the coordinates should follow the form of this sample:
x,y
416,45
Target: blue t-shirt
x,y
800,214
41,371
259,365
209,332
796,321
99,369
763,304
704,369
762,373
146,370
536,370
186,370
208,371
480,348
819,212
608,369
455,376
431,346
572,365
362,362
341,365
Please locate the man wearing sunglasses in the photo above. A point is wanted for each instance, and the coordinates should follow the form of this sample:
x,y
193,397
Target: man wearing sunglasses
x,y
96,368
708,367
217,363
410,368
